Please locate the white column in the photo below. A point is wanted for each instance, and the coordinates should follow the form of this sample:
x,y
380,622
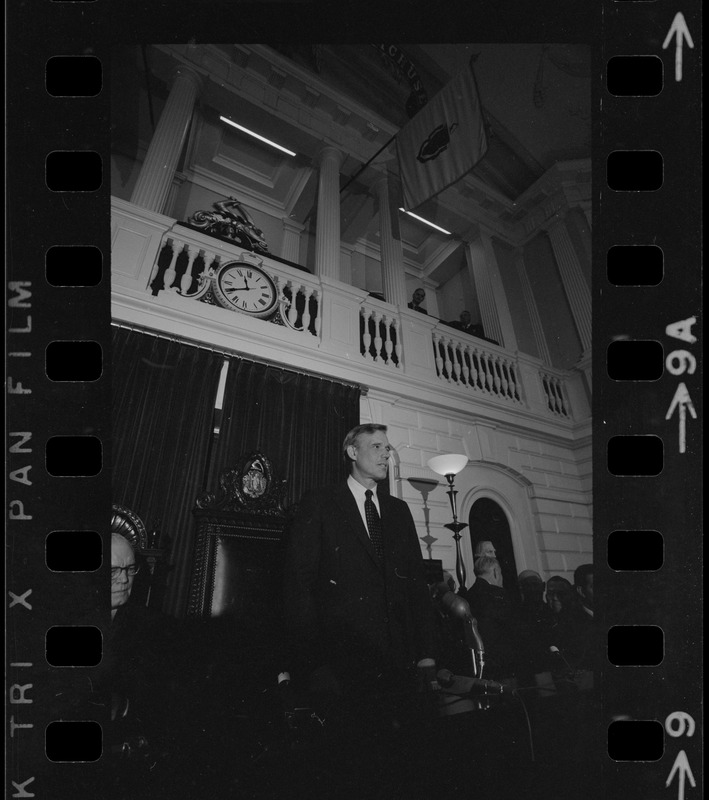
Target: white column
x,y
575,286
358,269
494,310
587,210
533,310
392,252
291,240
346,251
174,189
327,227
158,169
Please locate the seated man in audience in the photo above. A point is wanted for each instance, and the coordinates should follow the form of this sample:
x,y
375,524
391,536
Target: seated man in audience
x,y
583,583
536,620
498,628
531,587
484,548
139,666
574,633
576,626
465,325
559,594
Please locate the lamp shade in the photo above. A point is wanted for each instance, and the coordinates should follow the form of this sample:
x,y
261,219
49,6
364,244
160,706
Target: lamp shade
x,y
447,464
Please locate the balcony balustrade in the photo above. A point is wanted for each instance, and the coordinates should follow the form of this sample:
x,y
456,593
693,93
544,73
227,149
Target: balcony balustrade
x,y
154,257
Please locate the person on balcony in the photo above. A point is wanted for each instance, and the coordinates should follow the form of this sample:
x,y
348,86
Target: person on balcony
x,y
418,297
465,325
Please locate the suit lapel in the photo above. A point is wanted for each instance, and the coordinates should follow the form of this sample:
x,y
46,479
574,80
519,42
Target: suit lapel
x,y
389,522
353,519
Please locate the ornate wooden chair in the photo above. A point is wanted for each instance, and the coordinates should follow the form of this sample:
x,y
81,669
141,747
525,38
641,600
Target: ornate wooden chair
x,y
236,578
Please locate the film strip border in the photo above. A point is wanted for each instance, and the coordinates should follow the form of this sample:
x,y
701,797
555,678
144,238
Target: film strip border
x,y
647,338
647,385
58,395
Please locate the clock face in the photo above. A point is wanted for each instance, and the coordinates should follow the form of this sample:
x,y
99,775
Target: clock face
x,y
246,288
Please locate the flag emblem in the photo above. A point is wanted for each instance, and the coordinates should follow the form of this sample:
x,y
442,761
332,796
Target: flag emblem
x,y
443,142
436,142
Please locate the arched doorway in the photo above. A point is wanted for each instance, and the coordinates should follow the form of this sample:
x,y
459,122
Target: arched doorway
x,y
488,522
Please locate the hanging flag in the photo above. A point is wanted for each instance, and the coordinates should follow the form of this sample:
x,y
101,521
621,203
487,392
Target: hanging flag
x,y
443,142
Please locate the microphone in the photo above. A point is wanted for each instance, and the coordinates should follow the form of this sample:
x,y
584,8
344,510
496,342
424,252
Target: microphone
x,y
464,685
287,699
487,687
479,646
457,606
559,656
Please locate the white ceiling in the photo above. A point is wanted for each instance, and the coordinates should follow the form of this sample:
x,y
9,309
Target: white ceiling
x,y
536,99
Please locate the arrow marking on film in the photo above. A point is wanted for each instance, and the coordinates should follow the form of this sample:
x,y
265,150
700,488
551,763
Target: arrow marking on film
x,y
681,766
684,402
680,32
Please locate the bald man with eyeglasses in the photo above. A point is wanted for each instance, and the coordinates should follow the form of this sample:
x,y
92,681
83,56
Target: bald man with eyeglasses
x,y
123,572
137,675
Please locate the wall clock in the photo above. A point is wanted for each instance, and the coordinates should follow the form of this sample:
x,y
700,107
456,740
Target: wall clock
x,y
246,288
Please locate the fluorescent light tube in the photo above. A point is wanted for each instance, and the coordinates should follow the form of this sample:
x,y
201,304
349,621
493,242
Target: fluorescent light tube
x,y
257,136
426,222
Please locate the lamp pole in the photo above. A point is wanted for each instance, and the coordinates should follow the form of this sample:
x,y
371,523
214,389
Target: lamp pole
x,y
456,527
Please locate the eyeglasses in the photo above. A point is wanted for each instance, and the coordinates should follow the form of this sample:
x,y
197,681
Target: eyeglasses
x,y
130,570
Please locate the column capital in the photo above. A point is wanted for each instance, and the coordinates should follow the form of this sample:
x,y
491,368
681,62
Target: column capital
x,y
292,225
553,223
484,232
329,152
188,73
380,184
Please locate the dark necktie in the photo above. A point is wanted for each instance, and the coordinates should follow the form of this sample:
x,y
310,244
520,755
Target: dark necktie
x,y
373,522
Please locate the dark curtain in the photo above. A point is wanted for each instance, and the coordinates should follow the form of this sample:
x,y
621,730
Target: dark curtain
x,y
163,400
297,421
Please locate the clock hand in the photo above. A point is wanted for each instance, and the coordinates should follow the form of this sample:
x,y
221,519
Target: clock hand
x,y
239,289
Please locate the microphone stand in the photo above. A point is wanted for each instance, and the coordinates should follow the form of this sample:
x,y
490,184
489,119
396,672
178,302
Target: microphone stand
x,y
456,527
477,651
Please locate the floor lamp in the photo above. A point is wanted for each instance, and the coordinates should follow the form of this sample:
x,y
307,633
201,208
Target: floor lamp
x,y
450,465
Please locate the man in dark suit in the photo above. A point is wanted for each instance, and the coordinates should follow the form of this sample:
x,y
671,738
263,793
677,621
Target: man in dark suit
x,y
361,625
356,601
466,326
576,631
493,610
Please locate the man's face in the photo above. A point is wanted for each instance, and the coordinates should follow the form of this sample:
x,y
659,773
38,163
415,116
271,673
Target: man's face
x,y
419,296
370,457
532,589
557,596
465,317
121,556
586,592
487,549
